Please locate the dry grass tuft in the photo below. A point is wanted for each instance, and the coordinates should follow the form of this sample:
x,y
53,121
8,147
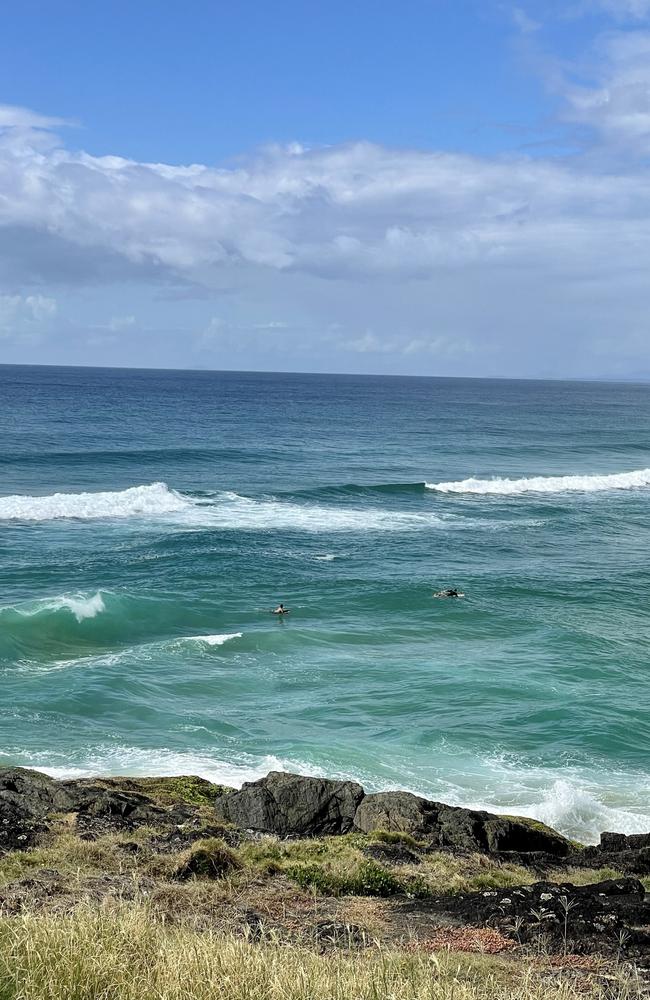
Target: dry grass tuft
x,y
126,955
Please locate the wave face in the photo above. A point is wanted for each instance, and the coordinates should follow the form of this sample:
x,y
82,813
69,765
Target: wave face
x,y
133,502
223,511
547,484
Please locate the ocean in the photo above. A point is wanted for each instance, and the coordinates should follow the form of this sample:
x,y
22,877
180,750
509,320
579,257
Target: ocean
x,y
149,521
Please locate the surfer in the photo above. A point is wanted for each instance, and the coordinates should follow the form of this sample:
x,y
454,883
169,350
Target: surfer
x,y
281,610
449,592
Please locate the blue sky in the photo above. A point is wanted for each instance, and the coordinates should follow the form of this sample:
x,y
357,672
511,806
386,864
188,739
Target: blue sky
x,y
430,187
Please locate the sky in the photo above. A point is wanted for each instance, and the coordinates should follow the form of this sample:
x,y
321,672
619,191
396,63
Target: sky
x,y
430,187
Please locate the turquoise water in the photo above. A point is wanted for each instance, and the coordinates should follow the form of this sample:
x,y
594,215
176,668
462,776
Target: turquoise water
x,y
150,520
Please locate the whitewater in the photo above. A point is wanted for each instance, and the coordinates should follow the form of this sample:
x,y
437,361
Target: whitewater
x,y
147,533
547,484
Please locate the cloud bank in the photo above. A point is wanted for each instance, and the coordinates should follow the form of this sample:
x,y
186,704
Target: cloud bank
x,y
520,264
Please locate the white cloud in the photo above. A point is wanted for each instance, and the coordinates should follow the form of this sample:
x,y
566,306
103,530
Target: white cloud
x,y
23,313
524,22
511,253
353,212
625,9
617,105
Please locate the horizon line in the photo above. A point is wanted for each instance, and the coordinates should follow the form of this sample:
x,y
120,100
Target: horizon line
x,y
628,380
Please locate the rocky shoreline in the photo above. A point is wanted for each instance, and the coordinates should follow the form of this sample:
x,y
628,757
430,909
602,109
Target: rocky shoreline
x,y
385,866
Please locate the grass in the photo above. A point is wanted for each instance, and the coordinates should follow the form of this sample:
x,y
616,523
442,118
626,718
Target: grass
x,y
337,866
127,955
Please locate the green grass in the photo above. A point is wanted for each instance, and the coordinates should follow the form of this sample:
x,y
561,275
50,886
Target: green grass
x,y
126,955
169,791
337,866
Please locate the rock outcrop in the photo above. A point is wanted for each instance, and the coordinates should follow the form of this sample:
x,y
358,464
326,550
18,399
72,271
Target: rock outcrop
x,y
625,853
447,826
102,807
26,799
290,805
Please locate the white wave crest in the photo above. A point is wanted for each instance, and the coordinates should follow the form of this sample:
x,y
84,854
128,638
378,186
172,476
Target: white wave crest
x,y
80,605
547,484
326,558
156,498
213,640
224,511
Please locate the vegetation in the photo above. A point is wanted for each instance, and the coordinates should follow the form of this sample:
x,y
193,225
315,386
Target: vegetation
x,y
127,955
196,911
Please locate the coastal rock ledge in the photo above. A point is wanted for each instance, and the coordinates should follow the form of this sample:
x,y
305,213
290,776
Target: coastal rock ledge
x,y
291,805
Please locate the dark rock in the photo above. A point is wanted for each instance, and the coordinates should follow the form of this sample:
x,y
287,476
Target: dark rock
x,y
292,805
392,854
396,812
629,854
614,842
102,808
181,837
632,862
26,799
603,917
448,826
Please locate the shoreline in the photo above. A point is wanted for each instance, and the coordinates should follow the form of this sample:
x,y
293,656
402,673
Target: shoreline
x,y
561,793
315,866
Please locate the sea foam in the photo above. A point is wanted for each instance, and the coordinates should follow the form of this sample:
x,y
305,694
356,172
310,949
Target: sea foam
x,y
547,484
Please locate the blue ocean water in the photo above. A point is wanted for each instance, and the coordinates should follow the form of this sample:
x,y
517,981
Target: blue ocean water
x,y
149,520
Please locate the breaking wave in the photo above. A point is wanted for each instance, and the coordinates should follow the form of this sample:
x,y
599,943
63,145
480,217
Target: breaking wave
x,y
156,498
212,640
78,605
223,511
547,484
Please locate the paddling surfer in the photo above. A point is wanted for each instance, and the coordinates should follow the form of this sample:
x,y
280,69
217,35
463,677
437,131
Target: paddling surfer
x,y
281,610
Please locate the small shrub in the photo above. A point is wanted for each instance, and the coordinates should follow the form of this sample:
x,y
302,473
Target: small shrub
x,y
368,879
209,859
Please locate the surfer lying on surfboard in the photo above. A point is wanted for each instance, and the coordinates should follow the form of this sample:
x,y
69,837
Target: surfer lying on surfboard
x,y
281,610
450,592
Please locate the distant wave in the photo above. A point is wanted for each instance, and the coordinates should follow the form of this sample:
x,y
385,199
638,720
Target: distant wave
x,y
547,484
137,500
224,511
